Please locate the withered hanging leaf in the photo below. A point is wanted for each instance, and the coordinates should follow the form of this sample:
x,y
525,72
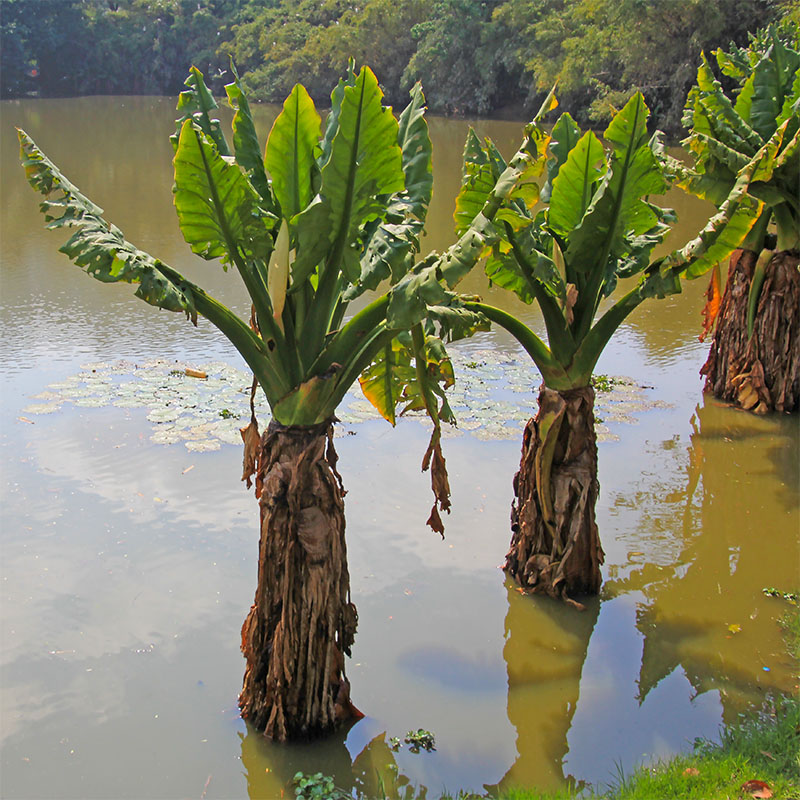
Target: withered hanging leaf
x,y
434,460
713,303
571,299
252,443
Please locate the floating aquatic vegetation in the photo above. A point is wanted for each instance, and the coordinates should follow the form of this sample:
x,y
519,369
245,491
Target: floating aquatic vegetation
x,y
493,398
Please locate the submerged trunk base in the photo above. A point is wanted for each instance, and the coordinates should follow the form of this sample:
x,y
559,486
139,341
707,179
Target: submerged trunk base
x,y
302,623
555,547
759,373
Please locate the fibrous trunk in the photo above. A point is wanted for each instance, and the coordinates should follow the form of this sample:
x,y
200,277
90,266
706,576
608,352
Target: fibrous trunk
x,y
302,623
759,373
555,547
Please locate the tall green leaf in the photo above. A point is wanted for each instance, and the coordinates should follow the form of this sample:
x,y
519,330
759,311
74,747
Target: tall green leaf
x,y
245,142
617,209
563,138
197,103
365,162
218,210
291,152
574,184
773,78
392,242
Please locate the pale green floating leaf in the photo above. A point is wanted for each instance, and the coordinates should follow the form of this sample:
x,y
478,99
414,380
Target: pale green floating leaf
x,y
469,424
69,383
164,414
91,402
165,437
203,445
42,408
130,402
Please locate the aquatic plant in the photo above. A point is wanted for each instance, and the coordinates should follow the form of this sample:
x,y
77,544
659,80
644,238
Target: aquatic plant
x,y
323,216
754,358
598,227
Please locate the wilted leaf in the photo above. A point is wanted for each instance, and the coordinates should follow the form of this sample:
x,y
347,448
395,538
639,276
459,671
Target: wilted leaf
x,y
713,303
434,459
252,441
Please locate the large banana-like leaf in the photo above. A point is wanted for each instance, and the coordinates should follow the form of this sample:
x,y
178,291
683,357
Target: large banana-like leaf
x,y
725,231
291,152
417,153
365,162
425,284
563,138
618,209
384,381
773,80
245,142
574,184
392,242
730,126
479,175
218,209
96,246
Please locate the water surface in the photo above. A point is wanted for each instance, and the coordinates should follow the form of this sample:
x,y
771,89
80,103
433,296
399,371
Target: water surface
x,y
128,567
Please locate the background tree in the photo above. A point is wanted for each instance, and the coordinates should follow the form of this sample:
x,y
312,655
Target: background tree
x,y
475,56
33,36
326,215
754,358
598,227
456,55
601,51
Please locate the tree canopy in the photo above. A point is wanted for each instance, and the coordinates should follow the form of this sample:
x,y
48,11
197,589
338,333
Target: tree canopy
x,y
473,56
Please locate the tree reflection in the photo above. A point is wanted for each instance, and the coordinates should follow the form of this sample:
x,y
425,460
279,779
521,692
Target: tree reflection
x,y
270,767
546,646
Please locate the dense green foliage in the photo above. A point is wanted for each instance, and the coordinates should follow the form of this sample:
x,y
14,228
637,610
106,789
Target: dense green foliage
x,y
473,56
726,131
598,227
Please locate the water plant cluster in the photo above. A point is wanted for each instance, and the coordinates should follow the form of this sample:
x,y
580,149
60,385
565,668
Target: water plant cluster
x,y
491,399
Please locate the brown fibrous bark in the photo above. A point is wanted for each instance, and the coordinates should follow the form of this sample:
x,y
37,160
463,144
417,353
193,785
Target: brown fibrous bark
x,y
759,373
555,546
302,623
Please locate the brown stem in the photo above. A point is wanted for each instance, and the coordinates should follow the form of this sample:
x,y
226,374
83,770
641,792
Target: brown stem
x,y
555,547
302,623
759,373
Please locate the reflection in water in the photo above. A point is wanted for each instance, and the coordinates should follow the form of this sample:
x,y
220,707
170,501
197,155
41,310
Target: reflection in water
x,y
546,645
270,768
545,649
736,514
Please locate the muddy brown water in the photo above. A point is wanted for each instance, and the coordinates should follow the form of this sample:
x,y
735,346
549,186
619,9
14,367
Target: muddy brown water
x,y
128,567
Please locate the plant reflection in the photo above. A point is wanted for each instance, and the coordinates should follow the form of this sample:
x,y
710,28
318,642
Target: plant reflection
x,y
546,646
705,611
270,768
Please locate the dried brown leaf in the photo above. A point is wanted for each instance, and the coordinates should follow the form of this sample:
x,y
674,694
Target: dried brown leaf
x,y
569,304
440,483
713,303
757,789
252,442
